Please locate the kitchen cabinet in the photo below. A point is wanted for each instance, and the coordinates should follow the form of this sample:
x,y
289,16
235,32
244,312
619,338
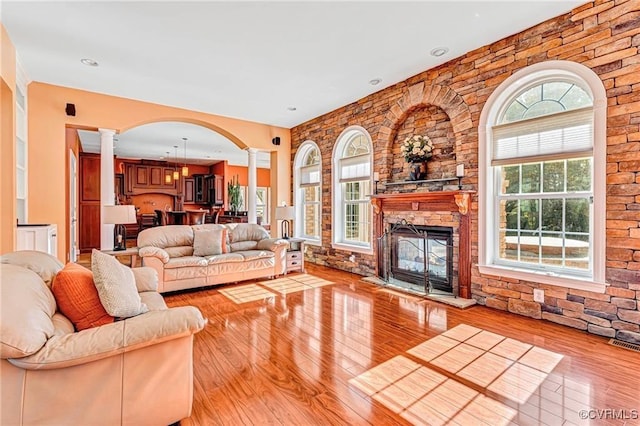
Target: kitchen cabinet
x,y
148,178
188,191
217,190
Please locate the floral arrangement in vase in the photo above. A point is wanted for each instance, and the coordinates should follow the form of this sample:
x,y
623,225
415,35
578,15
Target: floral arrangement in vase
x,y
417,149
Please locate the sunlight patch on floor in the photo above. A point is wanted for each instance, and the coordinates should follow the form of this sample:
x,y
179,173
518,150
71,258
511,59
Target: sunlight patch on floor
x,y
246,293
473,371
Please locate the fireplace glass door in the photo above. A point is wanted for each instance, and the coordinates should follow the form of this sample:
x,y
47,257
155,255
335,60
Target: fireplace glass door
x,y
421,259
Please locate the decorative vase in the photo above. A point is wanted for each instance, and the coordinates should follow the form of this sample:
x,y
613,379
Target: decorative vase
x,y
418,171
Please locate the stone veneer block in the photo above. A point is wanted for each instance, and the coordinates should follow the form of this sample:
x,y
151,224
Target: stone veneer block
x,y
572,306
571,322
621,292
628,336
590,295
601,331
523,307
624,303
604,315
629,316
496,303
621,325
552,309
601,306
574,298
596,320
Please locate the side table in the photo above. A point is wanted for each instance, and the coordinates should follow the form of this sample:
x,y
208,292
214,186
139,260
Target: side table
x,y
131,252
295,255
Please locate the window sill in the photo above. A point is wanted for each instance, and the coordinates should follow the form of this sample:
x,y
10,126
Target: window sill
x,y
312,242
352,248
558,280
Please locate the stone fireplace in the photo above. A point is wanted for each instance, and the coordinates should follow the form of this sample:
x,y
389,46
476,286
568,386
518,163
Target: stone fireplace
x,y
432,228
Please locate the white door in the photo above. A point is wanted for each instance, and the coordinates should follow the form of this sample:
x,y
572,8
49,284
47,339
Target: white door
x,y
73,207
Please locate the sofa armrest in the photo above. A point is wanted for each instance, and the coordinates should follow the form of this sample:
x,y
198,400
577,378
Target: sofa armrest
x,y
113,339
151,251
271,244
146,279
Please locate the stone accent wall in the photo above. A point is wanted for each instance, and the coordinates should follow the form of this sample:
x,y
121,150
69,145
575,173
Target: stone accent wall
x,y
602,35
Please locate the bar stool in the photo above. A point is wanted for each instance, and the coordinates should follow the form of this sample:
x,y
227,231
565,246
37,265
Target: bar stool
x,y
195,217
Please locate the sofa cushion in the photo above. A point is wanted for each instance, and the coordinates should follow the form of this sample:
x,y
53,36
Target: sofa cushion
x,y
186,261
77,297
208,242
247,232
225,258
116,286
43,264
243,245
26,308
249,255
166,236
179,251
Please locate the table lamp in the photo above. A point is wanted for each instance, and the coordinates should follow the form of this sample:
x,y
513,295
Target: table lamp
x,y
285,214
119,215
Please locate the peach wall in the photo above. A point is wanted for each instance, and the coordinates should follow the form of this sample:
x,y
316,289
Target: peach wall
x,y
7,143
47,121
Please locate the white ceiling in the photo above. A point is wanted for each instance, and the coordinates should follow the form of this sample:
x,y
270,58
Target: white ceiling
x,y
254,60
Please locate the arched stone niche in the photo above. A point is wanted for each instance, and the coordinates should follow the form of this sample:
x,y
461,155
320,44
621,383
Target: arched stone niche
x,y
441,113
431,121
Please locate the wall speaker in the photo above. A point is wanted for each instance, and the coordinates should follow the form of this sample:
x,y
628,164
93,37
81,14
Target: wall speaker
x,y
71,110
276,140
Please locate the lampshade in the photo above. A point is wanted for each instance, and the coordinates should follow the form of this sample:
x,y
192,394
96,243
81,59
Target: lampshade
x,y
120,214
185,171
285,213
176,175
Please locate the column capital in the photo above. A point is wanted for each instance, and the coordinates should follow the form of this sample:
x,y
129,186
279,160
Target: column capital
x,y
107,132
252,150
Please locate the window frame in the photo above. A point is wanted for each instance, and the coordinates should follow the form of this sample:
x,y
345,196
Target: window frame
x,y
298,163
338,235
487,179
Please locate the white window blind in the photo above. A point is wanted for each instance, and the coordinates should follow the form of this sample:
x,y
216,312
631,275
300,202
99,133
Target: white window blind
x,y
562,135
310,175
355,168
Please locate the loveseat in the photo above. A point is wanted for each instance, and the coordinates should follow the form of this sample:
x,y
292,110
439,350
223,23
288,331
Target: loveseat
x,y
136,371
201,255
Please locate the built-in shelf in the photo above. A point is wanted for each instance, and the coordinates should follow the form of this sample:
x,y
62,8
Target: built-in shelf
x,y
407,182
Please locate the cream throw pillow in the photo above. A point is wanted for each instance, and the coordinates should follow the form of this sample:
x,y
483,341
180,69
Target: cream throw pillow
x,y
208,242
116,286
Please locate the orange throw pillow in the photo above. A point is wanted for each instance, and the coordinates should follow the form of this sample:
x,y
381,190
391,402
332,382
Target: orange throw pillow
x,y
77,297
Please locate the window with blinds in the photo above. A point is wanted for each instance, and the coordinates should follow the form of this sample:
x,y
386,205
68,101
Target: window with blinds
x,y
308,179
352,211
542,161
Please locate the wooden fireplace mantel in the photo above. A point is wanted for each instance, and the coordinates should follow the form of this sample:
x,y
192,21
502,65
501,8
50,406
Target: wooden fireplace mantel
x,y
436,201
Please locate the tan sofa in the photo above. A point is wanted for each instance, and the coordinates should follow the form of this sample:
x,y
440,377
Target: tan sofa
x,y
251,254
137,371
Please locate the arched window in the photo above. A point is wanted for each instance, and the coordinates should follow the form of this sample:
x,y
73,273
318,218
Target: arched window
x,y
541,178
352,210
308,192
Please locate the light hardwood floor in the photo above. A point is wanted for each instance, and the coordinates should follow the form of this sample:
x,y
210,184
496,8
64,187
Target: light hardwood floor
x,y
326,348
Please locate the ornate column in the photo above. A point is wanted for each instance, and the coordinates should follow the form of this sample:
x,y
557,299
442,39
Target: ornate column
x,y
253,178
107,186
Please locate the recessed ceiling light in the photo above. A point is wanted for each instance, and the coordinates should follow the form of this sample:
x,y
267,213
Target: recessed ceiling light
x,y
89,62
292,108
439,51
375,81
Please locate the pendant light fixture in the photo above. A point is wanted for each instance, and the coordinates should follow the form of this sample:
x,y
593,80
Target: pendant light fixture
x,y
176,175
185,169
167,176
